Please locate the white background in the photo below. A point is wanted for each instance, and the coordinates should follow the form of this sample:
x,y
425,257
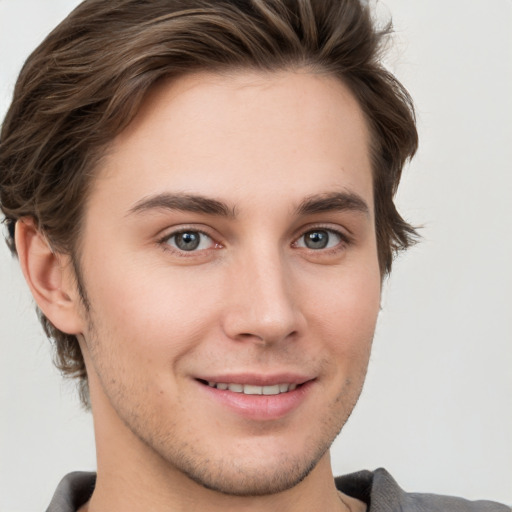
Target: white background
x,y
436,410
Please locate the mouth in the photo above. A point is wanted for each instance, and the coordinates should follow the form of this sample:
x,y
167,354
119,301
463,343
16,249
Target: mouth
x,y
251,389
257,397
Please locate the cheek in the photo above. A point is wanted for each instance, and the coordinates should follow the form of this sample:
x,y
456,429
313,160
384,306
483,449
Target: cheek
x,y
347,312
151,311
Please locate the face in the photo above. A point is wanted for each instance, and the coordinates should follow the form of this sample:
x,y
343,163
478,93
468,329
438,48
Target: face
x,y
229,257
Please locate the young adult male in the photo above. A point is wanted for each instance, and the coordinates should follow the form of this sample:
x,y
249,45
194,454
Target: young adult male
x,y
200,197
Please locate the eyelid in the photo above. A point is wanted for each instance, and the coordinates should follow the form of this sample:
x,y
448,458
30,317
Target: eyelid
x,y
176,229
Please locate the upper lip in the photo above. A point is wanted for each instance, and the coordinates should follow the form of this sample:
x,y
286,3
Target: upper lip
x,y
257,379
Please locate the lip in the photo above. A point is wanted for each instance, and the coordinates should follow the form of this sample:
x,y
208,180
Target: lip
x,y
258,407
257,379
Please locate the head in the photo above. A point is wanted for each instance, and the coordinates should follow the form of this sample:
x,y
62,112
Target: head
x,y
81,90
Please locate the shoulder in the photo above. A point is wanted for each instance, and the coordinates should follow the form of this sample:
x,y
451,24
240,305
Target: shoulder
x,y
381,493
72,492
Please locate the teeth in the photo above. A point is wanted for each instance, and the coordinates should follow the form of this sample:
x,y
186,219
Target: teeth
x,y
252,390
271,390
249,389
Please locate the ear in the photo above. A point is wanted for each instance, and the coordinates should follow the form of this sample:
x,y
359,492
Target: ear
x,y
50,278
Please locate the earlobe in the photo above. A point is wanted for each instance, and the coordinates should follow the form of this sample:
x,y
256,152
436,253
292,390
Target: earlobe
x,y
49,276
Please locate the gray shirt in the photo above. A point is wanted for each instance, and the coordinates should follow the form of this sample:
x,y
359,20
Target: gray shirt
x,y
377,489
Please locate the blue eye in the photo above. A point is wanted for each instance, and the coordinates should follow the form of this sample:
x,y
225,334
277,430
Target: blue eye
x,y
318,239
190,241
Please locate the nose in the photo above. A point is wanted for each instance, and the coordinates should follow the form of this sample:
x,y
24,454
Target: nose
x,y
261,304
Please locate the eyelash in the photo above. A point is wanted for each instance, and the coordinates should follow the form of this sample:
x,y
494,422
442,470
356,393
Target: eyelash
x,y
344,240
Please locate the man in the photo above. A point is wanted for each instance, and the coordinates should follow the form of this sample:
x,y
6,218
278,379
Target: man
x,y
200,196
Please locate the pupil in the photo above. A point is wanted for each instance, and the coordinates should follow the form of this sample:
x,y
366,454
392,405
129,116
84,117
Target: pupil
x,y
187,241
317,239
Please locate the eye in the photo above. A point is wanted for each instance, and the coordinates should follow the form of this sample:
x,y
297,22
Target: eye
x,y
189,241
318,239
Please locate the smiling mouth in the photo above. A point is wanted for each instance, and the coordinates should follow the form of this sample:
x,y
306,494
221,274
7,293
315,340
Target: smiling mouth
x,y
251,389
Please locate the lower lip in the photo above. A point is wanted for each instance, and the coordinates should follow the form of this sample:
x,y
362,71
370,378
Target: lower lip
x,y
260,407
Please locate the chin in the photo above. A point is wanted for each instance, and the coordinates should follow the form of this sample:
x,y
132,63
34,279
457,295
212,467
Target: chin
x,y
237,480
254,472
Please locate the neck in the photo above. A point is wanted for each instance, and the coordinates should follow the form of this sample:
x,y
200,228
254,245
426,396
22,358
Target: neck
x,y
129,479
129,484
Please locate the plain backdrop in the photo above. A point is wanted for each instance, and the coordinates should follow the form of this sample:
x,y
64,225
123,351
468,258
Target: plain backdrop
x,y
436,410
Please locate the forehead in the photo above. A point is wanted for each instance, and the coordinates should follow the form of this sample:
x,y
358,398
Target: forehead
x,y
214,134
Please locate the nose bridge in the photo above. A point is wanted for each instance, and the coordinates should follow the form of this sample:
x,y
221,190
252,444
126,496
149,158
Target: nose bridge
x,y
262,305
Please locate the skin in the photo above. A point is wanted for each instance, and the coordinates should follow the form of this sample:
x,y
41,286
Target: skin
x,y
253,299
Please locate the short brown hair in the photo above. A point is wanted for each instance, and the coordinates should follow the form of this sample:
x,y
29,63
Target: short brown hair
x,y
86,81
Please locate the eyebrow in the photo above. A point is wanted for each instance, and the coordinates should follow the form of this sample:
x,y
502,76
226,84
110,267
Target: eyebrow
x,y
183,202
335,201
319,203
